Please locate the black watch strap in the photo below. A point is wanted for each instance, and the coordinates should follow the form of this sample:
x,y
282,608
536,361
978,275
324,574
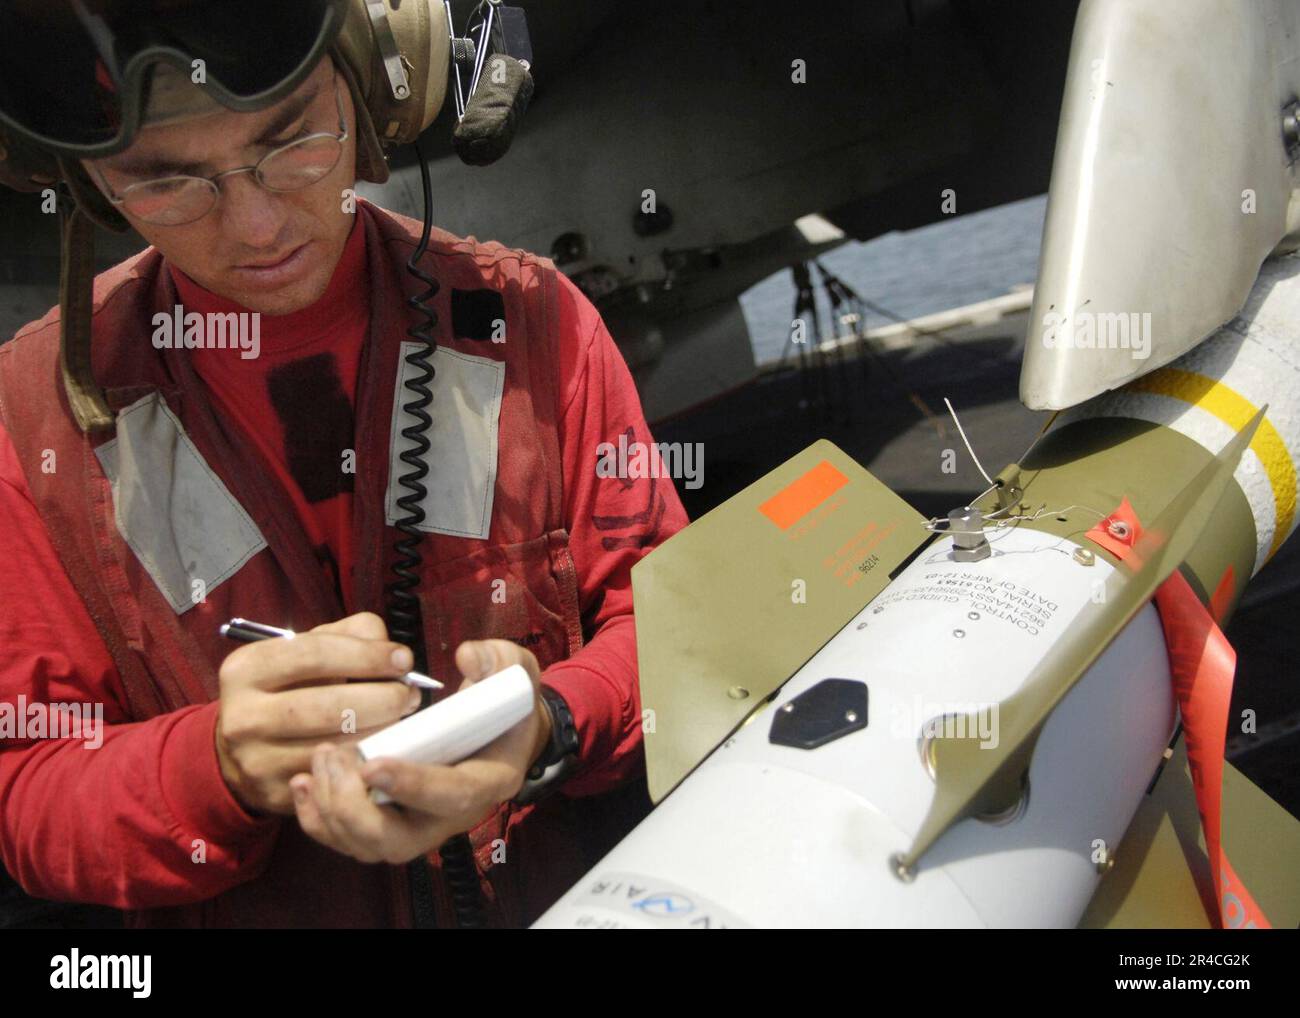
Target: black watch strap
x,y
559,758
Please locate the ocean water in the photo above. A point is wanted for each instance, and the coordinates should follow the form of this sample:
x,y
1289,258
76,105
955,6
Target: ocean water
x,y
944,265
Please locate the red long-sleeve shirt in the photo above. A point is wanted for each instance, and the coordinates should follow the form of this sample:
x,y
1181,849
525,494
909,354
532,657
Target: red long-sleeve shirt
x,y
91,825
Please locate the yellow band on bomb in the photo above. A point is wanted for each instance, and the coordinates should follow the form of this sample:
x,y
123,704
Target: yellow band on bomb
x,y
1234,410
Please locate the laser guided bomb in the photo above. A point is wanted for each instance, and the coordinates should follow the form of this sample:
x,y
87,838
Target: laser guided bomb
x,y
863,724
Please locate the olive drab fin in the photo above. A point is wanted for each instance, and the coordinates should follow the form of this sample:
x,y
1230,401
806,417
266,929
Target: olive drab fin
x,y
1158,883
730,607
970,779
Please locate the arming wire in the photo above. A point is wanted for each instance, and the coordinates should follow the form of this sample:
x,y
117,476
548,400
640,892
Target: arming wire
x,y
978,465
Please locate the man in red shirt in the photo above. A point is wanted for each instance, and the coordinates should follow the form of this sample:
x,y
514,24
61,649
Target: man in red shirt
x,y
286,479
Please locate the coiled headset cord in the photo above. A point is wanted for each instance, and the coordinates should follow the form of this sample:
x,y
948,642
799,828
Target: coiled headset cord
x,y
404,625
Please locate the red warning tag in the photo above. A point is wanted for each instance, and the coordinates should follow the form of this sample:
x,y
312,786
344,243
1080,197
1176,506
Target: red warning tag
x,y
1203,664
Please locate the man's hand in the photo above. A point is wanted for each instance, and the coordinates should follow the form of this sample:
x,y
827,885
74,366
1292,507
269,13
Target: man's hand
x,y
280,698
333,801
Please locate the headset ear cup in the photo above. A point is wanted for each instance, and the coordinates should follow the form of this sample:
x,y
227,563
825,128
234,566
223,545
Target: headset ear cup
x,y
421,34
429,73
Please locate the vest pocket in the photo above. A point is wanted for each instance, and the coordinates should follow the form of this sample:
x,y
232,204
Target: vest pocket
x,y
509,592
506,592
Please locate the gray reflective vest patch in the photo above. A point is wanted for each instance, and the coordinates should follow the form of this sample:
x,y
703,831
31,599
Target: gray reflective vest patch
x,y
180,519
462,459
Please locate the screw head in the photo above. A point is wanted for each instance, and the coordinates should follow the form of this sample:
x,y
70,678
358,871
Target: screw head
x,y
901,869
1084,557
1291,126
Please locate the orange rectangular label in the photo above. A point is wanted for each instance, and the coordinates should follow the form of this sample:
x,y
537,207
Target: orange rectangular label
x,y
803,495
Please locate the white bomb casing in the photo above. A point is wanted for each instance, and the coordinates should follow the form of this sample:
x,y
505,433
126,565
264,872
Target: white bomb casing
x,y
767,835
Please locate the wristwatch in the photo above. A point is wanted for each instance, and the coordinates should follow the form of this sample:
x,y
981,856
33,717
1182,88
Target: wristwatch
x,y
558,758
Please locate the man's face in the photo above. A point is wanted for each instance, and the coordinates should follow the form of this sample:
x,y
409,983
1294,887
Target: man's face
x,y
272,252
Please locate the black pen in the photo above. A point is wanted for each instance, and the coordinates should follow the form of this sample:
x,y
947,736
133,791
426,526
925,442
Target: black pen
x,y
250,632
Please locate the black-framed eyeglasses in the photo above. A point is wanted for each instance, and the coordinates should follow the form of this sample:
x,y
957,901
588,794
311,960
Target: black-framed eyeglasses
x,y
181,199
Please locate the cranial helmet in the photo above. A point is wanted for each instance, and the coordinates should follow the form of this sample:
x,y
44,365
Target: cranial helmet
x,y
79,78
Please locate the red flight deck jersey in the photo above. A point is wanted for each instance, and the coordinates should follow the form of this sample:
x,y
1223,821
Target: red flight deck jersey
x,y
116,825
